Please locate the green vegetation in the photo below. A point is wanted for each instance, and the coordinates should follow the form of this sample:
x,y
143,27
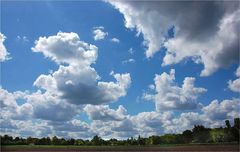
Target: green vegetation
x,y
199,134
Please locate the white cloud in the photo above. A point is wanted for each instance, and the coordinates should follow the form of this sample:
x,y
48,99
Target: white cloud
x,y
116,40
49,107
104,113
204,38
36,105
77,82
10,108
73,125
222,110
4,54
151,123
169,96
66,48
185,121
43,115
99,34
25,128
235,84
128,61
212,115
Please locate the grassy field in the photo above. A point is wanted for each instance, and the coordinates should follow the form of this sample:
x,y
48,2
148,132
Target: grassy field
x,y
188,147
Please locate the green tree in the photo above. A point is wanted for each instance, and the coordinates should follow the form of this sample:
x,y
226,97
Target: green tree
x,y
97,140
237,123
227,122
55,141
235,130
201,134
140,140
187,136
30,140
154,140
219,135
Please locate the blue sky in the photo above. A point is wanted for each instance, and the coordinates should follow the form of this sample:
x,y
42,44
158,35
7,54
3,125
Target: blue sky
x,y
23,23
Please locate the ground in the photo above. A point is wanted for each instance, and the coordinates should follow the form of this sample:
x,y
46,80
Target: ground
x,y
175,148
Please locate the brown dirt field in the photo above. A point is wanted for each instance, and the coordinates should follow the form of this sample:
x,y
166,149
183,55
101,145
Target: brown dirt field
x,y
189,148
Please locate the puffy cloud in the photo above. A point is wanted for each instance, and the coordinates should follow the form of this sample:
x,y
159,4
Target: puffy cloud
x,y
36,106
169,96
77,82
104,113
235,84
106,122
73,125
151,123
99,34
204,38
25,128
4,54
128,61
79,86
72,129
117,129
185,121
222,110
116,40
10,108
37,115
44,115
212,115
66,48
47,106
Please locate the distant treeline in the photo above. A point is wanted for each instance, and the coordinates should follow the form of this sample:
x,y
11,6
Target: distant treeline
x,y
199,134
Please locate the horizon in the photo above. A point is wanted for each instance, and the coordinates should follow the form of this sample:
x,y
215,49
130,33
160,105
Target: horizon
x,y
136,137
117,69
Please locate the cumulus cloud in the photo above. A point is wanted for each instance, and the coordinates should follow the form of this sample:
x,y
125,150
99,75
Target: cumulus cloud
x,y
204,38
73,125
48,107
222,110
66,48
116,40
4,54
158,123
76,81
62,92
38,115
104,113
169,96
235,84
36,105
144,124
10,108
212,115
43,115
151,123
99,34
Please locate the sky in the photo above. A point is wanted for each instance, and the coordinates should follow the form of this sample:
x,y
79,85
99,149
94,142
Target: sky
x,y
117,69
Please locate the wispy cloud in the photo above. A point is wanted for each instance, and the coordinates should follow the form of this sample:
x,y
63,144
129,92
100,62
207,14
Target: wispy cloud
x,y
128,61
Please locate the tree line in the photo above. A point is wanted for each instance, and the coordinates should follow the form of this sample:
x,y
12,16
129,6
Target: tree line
x,y
199,134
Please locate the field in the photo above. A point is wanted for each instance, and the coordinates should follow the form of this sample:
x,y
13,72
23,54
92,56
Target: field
x,y
175,148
